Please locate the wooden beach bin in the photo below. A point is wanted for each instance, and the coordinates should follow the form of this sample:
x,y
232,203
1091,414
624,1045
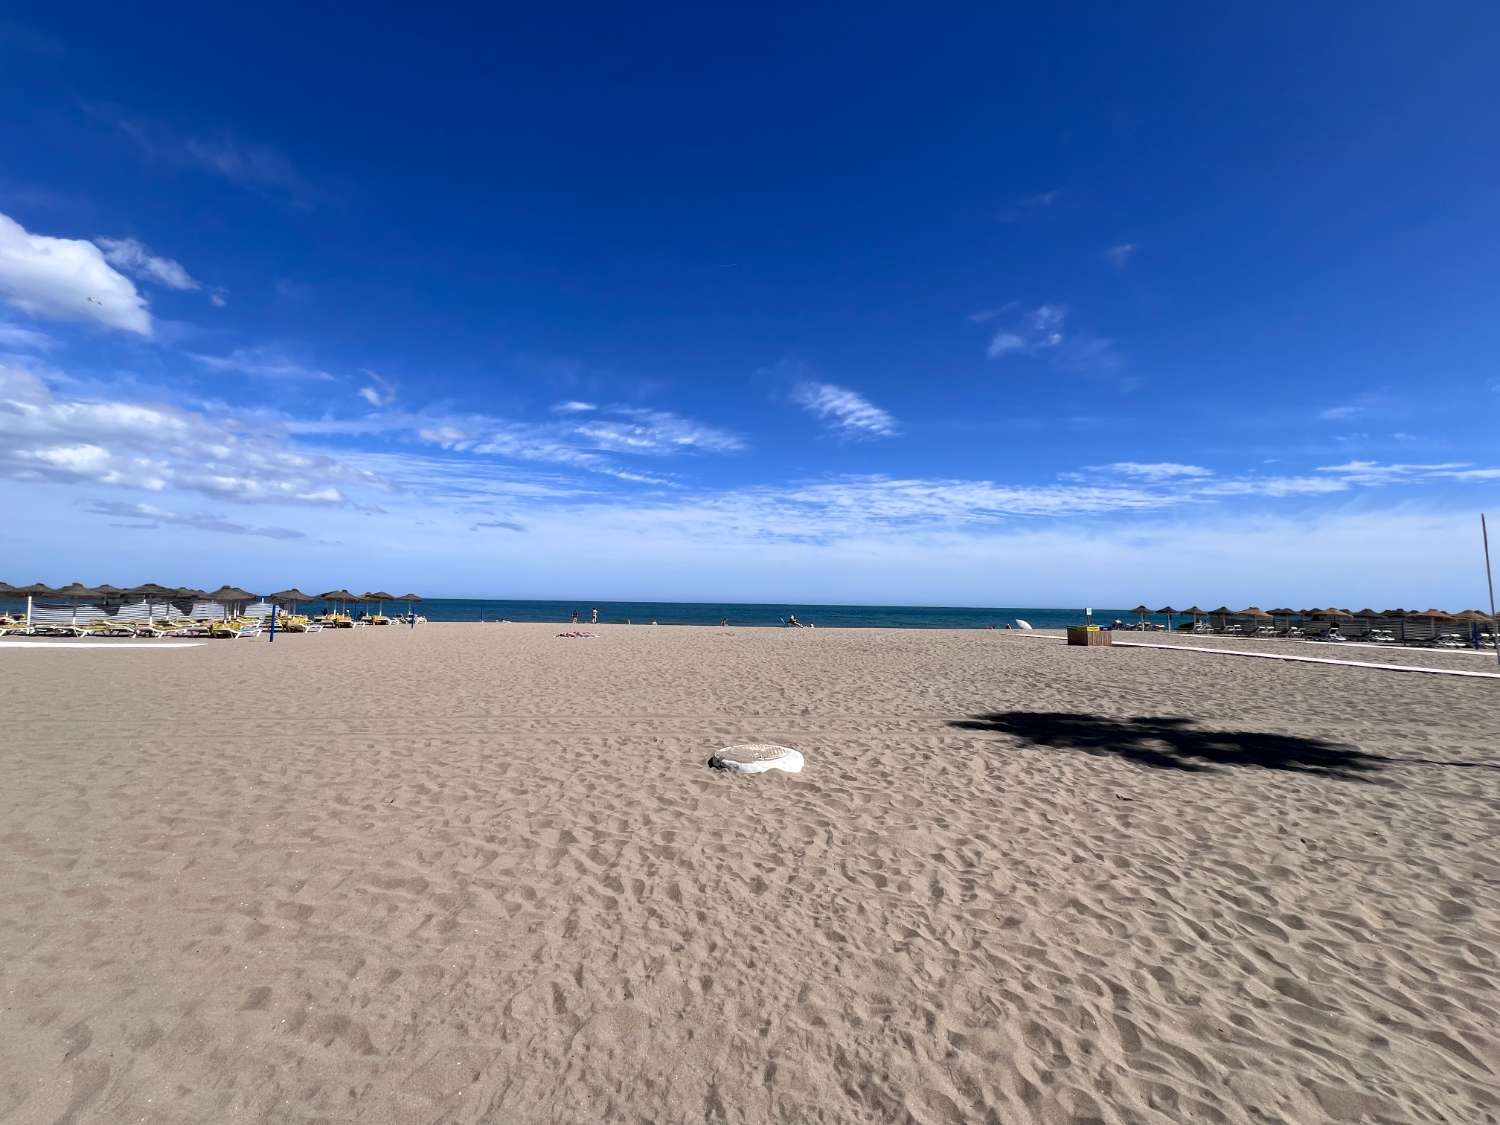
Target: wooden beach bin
x,y
1088,635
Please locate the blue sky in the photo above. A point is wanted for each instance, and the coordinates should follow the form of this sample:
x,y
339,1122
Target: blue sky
x,y
943,306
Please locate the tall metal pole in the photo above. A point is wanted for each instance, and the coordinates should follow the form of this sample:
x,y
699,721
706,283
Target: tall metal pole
x,y
273,621
1489,576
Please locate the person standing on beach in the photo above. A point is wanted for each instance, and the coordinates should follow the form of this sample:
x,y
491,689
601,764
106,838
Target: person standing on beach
x,y
575,617
594,619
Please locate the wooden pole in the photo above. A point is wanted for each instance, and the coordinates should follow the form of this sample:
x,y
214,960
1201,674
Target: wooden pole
x,y
1489,576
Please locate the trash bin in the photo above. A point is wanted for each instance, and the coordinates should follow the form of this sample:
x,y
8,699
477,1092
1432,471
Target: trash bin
x,y
1088,635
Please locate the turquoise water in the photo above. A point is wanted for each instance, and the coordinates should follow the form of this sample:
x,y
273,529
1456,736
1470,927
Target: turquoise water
x,y
743,613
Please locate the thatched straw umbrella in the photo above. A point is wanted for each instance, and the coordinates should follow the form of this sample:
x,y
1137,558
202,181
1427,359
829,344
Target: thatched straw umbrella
x,y
411,615
231,595
1195,611
1433,616
1223,613
1255,612
1169,611
75,590
337,596
1142,610
379,597
1282,611
35,590
1473,618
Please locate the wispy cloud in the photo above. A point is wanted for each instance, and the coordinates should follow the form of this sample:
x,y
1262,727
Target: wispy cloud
x,y
574,407
1043,330
1374,472
1027,205
150,517
66,279
247,164
380,391
16,336
262,363
585,440
497,525
654,432
1155,470
156,447
1119,256
135,259
844,411
1030,331
1368,404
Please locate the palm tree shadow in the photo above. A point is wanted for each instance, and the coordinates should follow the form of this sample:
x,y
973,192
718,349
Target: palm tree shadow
x,y
1174,743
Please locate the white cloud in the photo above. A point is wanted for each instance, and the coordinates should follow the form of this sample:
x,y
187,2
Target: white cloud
x,y
247,164
134,258
23,338
1035,330
262,363
68,279
843,410
156,447
380,391
589,443
1370,404
574,407
653,432
1373,472
1119,256
1043,331
150,517
219,298
1155,470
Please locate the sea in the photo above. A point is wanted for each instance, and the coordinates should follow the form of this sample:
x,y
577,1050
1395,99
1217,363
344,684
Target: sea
x,y
744,614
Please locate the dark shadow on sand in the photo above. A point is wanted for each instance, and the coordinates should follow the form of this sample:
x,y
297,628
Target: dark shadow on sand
x,y
1175,743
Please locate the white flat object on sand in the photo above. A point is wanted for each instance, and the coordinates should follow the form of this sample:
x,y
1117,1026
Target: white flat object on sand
x,y
757,757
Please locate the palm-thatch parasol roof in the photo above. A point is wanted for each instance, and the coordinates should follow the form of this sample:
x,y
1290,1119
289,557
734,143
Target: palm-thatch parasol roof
x,y
1368,613
77,590
35,590
409,598
337,596
1332,612
1193,609
1222,611
378,596
1436,615
109,591
231,594
1478,616
1167,609
152,590
1253,611
290,596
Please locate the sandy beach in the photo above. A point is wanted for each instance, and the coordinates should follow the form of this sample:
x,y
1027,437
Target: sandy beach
x,y
471,873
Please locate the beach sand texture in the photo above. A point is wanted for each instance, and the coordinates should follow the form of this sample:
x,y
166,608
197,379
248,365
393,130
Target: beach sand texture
x,y
476,873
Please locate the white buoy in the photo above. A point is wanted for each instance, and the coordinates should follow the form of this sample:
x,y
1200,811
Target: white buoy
x,y
757,757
